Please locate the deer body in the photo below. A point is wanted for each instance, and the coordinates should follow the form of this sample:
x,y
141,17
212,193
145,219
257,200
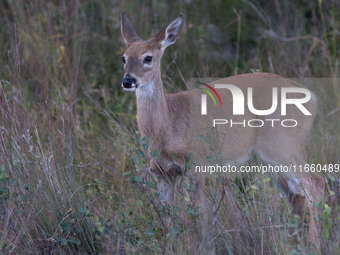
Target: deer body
x,y
165,120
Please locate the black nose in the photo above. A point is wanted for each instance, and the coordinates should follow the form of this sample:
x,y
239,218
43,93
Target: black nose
x,y
127,82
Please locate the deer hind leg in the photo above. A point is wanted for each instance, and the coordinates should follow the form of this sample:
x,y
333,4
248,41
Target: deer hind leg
x,y
314,188
289,149
297,201
291,187
310,188
298,205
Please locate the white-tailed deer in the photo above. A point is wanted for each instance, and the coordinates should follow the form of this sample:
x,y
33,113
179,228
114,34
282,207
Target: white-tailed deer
x,y
165,120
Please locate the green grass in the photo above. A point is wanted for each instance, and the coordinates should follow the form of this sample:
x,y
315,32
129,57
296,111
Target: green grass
x,y
73,178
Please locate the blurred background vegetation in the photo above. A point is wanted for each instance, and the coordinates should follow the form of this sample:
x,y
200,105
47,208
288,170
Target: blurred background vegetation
x,y
72,179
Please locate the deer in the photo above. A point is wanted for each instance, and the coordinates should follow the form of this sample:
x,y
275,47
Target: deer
x,y
165,120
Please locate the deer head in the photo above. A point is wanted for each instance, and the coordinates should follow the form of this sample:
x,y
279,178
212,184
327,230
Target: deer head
x,y
142,58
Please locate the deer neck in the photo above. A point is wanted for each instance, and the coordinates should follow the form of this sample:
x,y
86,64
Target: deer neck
x,y
152,109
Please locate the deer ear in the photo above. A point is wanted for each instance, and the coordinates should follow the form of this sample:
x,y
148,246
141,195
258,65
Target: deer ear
x,y
168,34
127,30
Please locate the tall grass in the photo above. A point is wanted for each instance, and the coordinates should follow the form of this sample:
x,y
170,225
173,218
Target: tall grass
x,y
73,177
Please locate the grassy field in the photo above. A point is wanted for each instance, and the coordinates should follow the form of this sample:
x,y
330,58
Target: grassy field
x,y
72,173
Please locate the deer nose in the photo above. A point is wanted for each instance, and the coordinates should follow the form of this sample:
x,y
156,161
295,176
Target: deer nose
x,y
127,82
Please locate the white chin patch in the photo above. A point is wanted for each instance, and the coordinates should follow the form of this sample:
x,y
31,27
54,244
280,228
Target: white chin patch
x,y
145,90
130,89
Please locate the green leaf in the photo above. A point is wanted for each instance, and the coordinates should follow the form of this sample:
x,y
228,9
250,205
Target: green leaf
x,y
141,153
191,211
293,251
145,143
24,197
64,224
63,241
4,180
138,178
79,215
331,177
158,247
67,229
99,181
73,240
151,232
127,173
151,184
134,159
155,153
200,136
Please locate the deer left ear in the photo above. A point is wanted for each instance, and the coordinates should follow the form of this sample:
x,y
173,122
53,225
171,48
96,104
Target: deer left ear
x,y
127,30
168,34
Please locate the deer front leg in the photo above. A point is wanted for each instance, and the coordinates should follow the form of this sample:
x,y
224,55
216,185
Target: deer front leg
x,y
166,180
165,186
207,239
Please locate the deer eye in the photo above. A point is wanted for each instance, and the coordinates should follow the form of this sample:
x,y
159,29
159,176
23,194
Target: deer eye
x,y
148,59
123,58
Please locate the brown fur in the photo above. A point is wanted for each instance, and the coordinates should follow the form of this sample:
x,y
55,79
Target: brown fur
x,y
165,121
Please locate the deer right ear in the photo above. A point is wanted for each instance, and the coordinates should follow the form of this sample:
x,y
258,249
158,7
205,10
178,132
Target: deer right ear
x,y
127,30
168,34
